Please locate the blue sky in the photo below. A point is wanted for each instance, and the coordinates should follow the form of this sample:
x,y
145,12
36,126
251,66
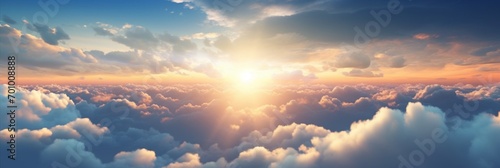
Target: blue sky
x,y
158,16
155,14
323,41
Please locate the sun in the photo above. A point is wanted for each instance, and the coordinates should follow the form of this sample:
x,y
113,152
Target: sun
x,y
246,80
247,77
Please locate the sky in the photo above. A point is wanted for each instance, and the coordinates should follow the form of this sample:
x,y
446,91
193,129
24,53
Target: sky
x,y
203,41
251,83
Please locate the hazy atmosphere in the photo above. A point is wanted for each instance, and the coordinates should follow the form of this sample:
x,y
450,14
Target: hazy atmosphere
x,y
249,83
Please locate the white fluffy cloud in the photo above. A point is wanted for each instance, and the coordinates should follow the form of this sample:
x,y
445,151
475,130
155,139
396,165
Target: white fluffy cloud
x,y
188,160
37,110
150,53
139,158
319,126
69,153
381,141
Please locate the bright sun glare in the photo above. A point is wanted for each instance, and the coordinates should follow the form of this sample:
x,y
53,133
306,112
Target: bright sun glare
x,y
247,77
248,80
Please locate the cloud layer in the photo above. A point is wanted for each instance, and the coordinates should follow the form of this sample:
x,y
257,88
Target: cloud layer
x,y
301,126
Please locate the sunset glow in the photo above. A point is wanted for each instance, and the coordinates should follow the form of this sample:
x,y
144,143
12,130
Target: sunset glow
x,y
249,84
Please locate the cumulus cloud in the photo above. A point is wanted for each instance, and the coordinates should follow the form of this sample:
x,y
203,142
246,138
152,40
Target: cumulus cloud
x,y
139,158
137,37
342,104
50,35
390,139
155,53
354,60
417,43
304,126
397,62
179,45
72,153
78,55
102,31
35,53
68,152
187,160
175,55
79,128
37,110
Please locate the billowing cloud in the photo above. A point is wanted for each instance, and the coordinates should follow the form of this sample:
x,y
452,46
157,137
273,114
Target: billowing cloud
x,y
35,53
397,62
417,44
187,160
296,106
138,158
304,126
38,110
179,46
50,35
102,31
354,60
69,153
419,137
136,37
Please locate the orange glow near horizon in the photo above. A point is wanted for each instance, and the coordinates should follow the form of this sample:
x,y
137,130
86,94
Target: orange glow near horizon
x,y
248,78
248,82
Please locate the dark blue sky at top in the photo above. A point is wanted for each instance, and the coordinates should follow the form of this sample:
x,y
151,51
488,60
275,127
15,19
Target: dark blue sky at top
x,y
155,14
